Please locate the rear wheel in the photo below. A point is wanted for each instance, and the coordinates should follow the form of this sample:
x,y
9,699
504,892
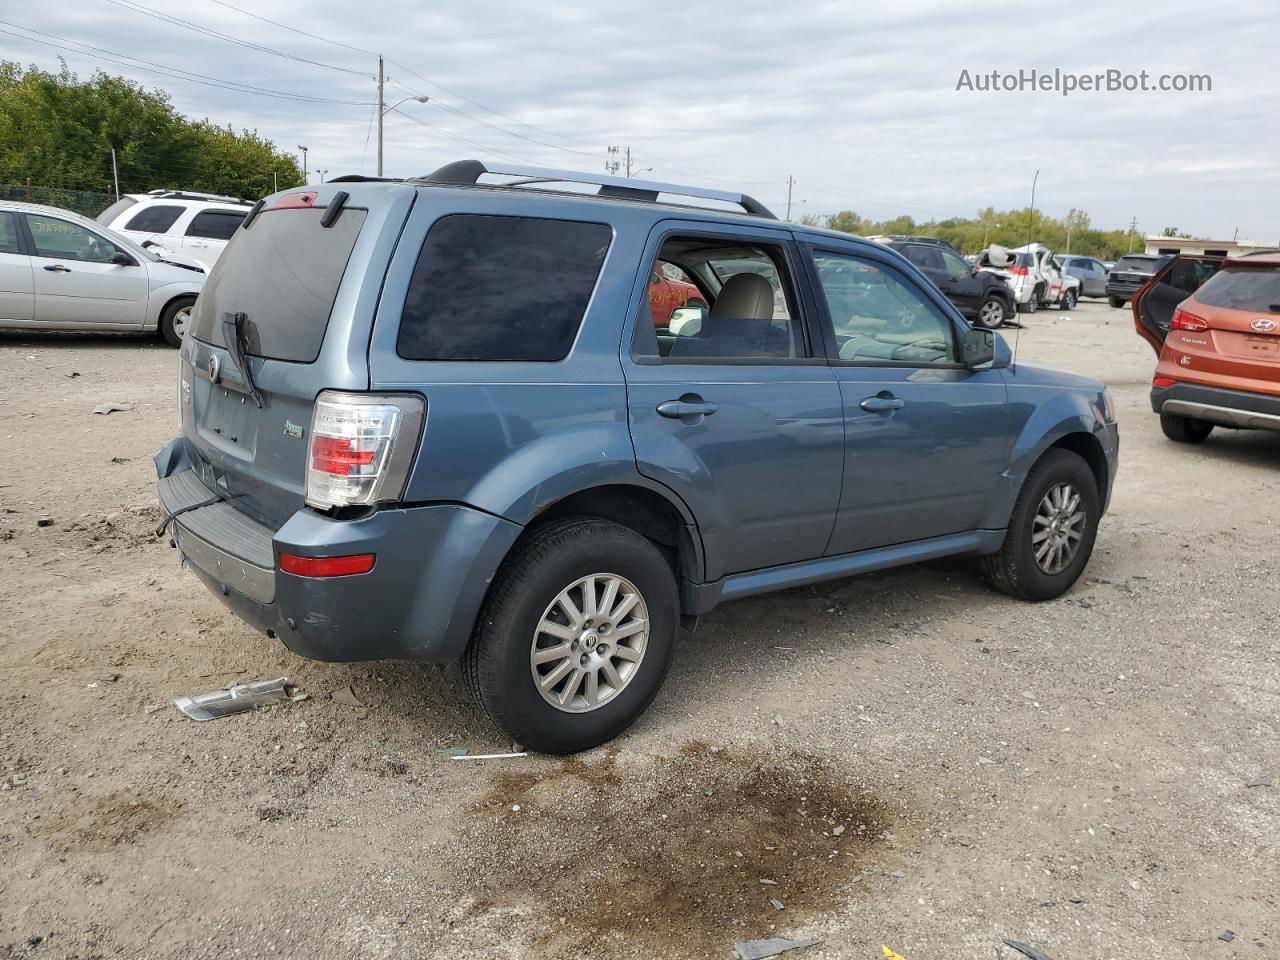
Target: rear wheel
x,y
1051,531
990,313
1185,429
1116,301
1068,301
575,637
175,320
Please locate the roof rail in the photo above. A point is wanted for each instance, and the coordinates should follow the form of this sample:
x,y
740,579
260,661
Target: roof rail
x,y
194,195
626,188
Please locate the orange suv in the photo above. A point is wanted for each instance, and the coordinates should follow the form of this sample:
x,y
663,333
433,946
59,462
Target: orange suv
x,y
1220,359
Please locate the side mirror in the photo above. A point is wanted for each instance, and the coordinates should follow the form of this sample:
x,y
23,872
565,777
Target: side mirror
x,y
122,259
984,349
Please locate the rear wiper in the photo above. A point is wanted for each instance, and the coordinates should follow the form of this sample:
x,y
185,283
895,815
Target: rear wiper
x,y
233,335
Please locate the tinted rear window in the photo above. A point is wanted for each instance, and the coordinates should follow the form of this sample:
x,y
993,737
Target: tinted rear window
x,y
1135,265
1243,288
500,288
283,274
155,219
113,211
215,224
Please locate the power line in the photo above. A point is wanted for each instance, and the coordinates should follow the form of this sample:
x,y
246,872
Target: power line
x,y
285,26
173,73
206,31
470,143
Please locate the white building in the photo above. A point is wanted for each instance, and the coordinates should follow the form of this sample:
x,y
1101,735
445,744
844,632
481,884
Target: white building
x,y
1213,248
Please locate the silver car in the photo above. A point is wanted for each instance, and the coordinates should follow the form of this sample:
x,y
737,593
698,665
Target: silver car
x,y
1090,271
62,271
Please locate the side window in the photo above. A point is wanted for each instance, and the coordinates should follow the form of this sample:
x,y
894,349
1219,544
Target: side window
x,y
500,288
155,219
752,314
9,234
926,258
1188,275
63,240
880,318
215,224
954,265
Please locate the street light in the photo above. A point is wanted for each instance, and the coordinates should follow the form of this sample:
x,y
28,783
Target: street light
x,y
638,172
304,162
383,111
322,173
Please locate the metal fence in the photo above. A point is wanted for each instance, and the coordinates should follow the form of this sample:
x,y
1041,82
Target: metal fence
x,y
87,202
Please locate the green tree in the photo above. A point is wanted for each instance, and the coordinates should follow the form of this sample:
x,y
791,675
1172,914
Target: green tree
x,y
57,130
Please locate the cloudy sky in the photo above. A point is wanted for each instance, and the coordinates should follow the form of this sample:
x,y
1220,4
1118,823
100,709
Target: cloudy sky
x,y
857,101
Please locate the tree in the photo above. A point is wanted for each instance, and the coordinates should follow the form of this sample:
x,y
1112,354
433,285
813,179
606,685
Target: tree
x,y
58,131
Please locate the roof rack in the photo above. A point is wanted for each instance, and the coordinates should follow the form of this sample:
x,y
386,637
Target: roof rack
x,y
191,195
625,188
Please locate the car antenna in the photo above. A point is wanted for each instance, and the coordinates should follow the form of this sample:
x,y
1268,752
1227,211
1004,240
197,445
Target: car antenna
x,y
1017,337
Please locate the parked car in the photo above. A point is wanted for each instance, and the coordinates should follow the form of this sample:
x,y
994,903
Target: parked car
x,y
62,271
1090,271
195,225
1156,301
670,289
432,420
1128,276
1220,360
981,297
1034,276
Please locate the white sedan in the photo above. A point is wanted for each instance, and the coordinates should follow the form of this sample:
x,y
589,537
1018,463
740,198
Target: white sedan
x,y
62,271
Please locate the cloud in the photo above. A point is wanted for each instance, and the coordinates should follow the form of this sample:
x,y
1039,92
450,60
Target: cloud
x,y
856,101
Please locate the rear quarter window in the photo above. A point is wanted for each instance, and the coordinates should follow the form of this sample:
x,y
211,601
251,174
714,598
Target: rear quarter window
x,y
501,288
215,224
1243,288
155,219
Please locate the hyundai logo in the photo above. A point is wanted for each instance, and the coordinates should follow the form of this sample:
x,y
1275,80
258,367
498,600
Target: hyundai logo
x,y
1265,324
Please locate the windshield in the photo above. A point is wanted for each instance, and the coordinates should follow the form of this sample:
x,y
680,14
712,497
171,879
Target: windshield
x,y
283,273
1243,288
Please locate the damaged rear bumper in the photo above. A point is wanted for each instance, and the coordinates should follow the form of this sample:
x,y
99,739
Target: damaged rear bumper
x,y
419,602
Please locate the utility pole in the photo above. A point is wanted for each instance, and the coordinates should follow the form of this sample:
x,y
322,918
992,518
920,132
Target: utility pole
x,y
1133,228
611,163
381,111
790,181
628,161
115,174
275,182
305,181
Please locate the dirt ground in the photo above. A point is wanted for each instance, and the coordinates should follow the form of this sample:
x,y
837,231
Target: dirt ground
x,y
905,758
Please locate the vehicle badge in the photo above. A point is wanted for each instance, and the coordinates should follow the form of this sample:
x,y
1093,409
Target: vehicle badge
x,y
292,429
1265,324
215,368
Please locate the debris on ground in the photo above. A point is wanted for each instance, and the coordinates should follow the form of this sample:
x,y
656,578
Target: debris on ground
x,y
761,949
1027,950
453,751
1259,782
487,756
1227,935
45,522
890,954
236,699
110,407
346,696
777,904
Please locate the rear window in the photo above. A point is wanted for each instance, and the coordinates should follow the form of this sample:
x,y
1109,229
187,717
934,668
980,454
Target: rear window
x,y
215,224
1243,288
113,211
155,219
1135,265
500,288
283,274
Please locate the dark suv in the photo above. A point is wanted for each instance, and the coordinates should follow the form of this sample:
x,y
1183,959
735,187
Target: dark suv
x,y
1129,275
434,420
982,297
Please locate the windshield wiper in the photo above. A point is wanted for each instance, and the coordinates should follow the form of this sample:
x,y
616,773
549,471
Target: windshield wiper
x,y
233,336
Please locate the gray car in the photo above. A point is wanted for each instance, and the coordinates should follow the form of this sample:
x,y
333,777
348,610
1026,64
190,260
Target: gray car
x,y
435,420
1090,271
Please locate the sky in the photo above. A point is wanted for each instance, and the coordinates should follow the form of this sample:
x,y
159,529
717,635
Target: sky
x,y
857,101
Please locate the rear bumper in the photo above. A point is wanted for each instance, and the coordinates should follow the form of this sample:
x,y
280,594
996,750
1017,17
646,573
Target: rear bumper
x,y
1228,408
1124,290
434,565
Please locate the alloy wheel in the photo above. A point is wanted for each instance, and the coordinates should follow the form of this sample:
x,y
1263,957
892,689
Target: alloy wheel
x,y
589,643
180,321
1057,529
991,314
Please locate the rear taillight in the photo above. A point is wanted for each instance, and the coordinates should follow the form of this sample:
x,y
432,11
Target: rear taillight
x,y
1163,382
361,448
1017,271
1182,320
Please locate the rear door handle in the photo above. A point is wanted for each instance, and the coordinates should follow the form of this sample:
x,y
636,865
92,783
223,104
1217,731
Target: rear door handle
x,y
679,409
57,268
882,404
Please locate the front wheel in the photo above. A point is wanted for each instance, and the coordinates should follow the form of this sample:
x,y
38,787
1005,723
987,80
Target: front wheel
x,y
575,637
1185,429
1051,531
175,320
990,314
1068,301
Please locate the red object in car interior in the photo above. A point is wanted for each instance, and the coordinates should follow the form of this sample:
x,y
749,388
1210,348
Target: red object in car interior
x,y
326,566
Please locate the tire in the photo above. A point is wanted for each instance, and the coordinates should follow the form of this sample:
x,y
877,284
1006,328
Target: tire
x,y
1068,301
1185,429
499,668
1014,569
1117,302
175,319
990,313
1033,304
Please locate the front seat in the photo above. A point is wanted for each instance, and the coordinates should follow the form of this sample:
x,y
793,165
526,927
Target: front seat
x,y
740,323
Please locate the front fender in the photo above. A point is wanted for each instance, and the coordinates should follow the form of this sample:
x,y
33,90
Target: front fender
x,y
161,296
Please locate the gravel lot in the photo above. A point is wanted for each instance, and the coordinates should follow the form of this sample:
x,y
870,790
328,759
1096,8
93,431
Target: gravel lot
x,y
912,759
